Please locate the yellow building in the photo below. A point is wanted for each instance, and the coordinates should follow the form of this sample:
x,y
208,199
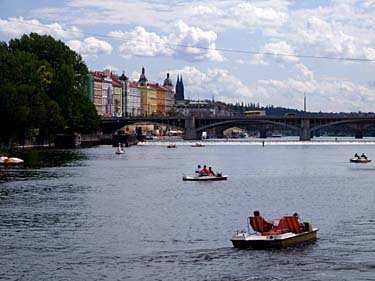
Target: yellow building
x,y
155,99
160,99
117,97
148,100
98,80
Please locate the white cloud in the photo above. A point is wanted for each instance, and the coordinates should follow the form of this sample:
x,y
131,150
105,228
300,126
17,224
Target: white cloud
x,y
329,95
134,76
15,27
213,15
369,4
90,47
342,29
215,82
278,51
181,43
111,68
139,42
303,72
334,28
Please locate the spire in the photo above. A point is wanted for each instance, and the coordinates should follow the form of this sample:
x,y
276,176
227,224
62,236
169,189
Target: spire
x,y
142,79
179,88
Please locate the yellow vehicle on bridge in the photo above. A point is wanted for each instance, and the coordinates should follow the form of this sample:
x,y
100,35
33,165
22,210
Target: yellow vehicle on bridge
x,y
254,113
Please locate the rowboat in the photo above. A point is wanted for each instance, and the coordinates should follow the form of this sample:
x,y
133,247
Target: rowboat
x,y
283,232
205,178
359,160
10,161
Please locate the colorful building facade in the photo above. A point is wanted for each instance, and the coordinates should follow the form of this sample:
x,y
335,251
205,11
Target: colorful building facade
x,y
117,96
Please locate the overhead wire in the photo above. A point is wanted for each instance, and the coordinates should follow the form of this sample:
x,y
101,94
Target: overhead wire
x,y
199,47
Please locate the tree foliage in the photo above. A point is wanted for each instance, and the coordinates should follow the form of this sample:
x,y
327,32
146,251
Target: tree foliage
x,y
42,89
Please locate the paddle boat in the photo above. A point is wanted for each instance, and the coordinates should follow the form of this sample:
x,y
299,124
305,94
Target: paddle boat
x,y
198,145
281,233
217,177
359,160
120,150
10,161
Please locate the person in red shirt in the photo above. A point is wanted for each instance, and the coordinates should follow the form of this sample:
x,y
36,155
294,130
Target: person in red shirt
x,y
205,171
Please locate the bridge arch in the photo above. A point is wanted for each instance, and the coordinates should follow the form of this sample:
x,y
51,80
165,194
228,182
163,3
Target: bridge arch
x,y
154,123
342,122
234,123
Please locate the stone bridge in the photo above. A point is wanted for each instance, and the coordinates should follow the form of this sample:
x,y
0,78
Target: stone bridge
x,y
193,127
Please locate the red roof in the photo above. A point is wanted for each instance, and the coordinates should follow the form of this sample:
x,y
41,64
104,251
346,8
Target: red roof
x,y
116,82
157,87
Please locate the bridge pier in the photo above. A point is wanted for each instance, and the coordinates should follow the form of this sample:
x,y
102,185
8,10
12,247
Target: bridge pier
x,y
358,134
219,132
263,134
190,132
305,132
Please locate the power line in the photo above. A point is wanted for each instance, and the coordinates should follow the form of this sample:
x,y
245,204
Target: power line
x,y
201,47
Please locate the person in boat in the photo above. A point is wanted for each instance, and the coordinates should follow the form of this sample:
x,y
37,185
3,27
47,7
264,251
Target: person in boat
x,y
300,222
266,225
198,170
363,156
356,156
210,172
205,171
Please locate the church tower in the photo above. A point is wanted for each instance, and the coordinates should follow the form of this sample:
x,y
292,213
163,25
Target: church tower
x,y
168,83
179,89
142,79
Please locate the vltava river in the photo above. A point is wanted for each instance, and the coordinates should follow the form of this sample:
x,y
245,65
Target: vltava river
x,y
89,214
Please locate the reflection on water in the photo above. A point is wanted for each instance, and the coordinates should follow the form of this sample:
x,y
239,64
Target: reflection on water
x,y
92,215
37,159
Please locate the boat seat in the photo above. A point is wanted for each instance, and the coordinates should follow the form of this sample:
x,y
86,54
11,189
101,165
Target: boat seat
x,y
279,228
292,224
259,224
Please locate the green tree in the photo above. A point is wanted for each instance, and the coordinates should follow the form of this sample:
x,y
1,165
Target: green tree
x,y
42,89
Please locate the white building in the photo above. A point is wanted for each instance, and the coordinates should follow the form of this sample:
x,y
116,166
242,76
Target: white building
x,y
133,100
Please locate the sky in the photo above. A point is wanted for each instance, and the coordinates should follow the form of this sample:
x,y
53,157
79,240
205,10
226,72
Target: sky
x,y
254,51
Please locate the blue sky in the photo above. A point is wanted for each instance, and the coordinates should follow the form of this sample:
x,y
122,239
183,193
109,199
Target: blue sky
x,y
127,35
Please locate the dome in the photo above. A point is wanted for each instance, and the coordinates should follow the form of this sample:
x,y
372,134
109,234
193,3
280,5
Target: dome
x,y
168,81
123,77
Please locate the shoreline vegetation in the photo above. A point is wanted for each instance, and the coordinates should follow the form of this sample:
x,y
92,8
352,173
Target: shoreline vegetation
x,y
42,91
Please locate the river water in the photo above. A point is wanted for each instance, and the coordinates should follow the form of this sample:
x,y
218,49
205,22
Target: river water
x,y
89,214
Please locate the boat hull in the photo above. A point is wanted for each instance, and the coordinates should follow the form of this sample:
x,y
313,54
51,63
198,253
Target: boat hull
x,y
363,161
10,161
273,241
204,178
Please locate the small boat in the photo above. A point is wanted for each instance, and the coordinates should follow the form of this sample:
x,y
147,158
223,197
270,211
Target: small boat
x,y
171,145
283,232
359,160
198,145
218,177
10,161
119,150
